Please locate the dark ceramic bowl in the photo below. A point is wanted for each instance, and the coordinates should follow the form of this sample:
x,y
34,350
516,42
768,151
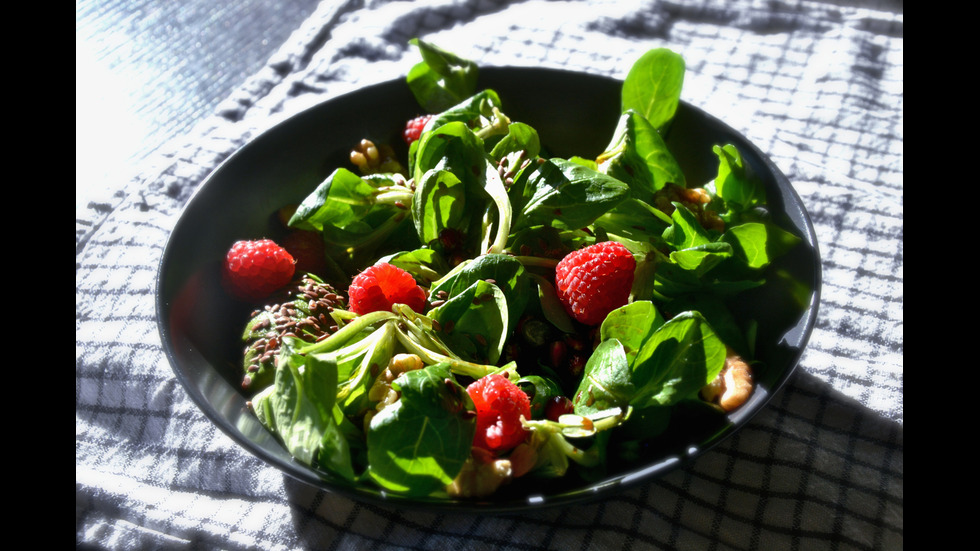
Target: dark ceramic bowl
x,y
575,114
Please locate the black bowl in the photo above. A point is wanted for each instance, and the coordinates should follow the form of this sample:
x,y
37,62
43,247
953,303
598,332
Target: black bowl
x,y
575,114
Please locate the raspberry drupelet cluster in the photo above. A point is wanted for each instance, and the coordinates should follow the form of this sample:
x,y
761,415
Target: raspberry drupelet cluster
x,y
500,404
595,280
253,270
414,127
379,287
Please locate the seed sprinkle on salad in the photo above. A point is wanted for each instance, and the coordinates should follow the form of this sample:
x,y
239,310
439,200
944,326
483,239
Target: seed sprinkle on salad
x,y
481,312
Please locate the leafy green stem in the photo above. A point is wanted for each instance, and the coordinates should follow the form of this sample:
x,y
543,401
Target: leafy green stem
x,y
342,316
346,332
378,236
459,367
499,122
377,339
397,196
579,426
505,212
424,338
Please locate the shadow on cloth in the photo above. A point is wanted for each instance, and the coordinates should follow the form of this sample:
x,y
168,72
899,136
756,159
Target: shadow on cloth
x,y
810,463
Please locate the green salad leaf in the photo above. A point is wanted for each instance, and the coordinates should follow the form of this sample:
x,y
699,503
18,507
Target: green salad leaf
x,y
417,445
659,365
736,183
503,271
442,79
425,265
638,156
475,322
567,195
301,408
653,86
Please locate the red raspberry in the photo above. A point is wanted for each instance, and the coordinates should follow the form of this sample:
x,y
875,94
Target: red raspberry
x,y
308,250
499,407
595,280
413,128
253,270
382,285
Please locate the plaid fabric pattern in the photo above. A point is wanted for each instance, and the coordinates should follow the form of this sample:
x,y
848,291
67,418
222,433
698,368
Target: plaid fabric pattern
x,y
816,85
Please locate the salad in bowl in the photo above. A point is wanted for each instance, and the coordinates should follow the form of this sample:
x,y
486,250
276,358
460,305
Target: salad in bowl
x,y
475,310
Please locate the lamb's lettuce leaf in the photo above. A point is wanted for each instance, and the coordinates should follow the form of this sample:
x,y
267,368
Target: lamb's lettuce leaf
x,y
504,271
653,86
425,265
736,183
661,366
442,79
638,155
301,408
417,445
475,322
567,195
355,214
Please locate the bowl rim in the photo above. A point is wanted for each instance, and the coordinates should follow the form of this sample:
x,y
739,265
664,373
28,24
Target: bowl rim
x,y
588,491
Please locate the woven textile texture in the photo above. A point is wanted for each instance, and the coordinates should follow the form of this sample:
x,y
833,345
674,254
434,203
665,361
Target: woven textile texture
x,y
816,85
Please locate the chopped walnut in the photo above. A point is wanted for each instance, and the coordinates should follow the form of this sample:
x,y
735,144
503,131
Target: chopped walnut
x,y
733,385
695,199
481,475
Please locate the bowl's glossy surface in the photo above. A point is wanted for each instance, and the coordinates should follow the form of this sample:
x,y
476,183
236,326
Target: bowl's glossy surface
x,y
575,114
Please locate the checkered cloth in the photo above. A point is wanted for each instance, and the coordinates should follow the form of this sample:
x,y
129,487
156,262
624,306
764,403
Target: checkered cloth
x,y
816,85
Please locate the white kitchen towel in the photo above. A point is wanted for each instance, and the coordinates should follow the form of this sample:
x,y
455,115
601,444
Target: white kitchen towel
x,y
816,85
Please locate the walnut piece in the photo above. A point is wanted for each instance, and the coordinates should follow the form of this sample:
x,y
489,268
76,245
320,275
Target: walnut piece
x,y
733,385
481,475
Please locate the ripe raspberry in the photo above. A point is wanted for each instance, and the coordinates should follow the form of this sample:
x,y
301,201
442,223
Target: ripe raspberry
x,y
595,280
413,128
499,407
382,285
308,250
253,270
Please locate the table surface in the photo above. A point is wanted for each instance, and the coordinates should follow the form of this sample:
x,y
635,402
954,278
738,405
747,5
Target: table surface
x,y
146,72
165,92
